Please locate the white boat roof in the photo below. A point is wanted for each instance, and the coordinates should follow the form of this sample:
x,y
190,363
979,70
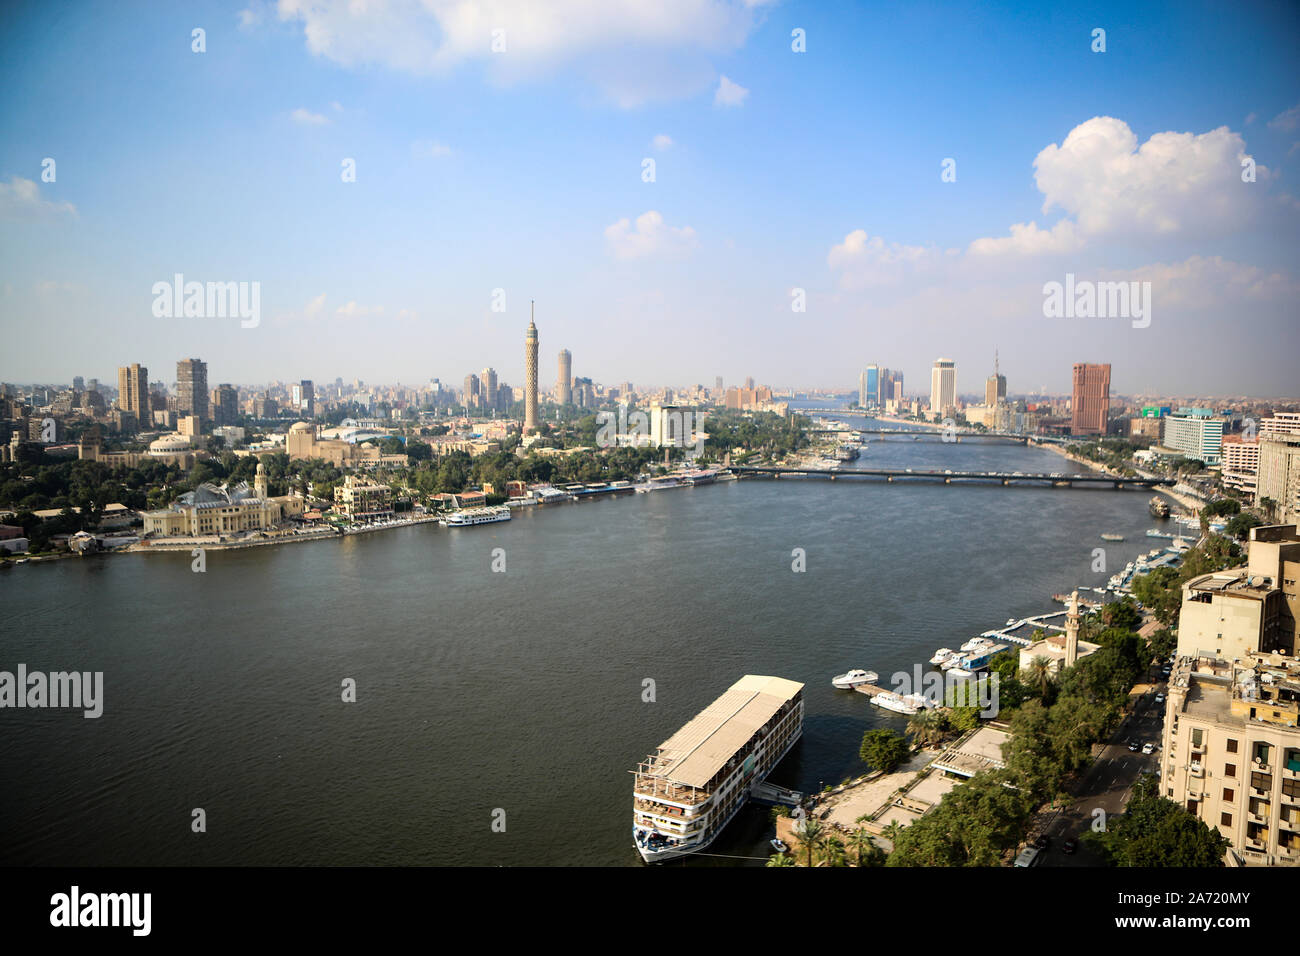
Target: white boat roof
x,y
694,754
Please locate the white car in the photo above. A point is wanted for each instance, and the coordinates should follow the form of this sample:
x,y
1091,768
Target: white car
x,y
1160,698
1148,748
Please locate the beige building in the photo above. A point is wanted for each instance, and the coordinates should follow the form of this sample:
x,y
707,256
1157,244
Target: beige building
x,y
1279,475
302,444
220,509
1232,751
1229,614
363,500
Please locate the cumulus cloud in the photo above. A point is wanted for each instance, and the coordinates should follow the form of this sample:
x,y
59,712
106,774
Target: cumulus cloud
x,y
308,118
649,236
1027,239
662,141
729,93
1286,121
20,200
864,260
635,51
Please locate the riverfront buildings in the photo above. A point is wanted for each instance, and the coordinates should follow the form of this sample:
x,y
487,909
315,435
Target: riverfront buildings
x,y
362,499
530,376
1196,432
1091,399
1231,742
943,388
221,509
1279,475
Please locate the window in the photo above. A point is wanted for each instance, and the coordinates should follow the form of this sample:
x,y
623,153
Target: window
x,y
1232,746
1261,753
1229,769
1229,795
1225,820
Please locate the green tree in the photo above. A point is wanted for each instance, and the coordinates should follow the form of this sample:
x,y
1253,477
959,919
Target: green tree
x,y
883,749
1154,831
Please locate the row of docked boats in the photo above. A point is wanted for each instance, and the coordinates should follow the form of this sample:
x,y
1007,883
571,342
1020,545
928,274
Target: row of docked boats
x,y
886,699
683,479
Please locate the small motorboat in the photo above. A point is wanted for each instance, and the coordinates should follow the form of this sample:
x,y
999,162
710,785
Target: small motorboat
x,y
941,655
853,678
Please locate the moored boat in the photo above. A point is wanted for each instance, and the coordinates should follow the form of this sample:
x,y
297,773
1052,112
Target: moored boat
x,y
854,678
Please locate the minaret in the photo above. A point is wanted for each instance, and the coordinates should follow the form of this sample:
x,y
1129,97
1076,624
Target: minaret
x,y
530,373
1072,631
259,481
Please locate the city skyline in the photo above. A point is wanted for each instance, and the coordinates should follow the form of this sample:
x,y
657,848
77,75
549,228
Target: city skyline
x,y
772,184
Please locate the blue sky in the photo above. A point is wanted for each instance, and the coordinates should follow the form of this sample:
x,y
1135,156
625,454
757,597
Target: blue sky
x,y
516,170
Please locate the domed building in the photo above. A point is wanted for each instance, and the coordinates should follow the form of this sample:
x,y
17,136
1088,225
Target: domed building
x,y
168,445
215,510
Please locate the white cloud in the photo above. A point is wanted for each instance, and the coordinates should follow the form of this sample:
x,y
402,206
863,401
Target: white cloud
x,y
1027,239
430,149
1286,121
354,311
729,93
634,51
864,260
648,237
314,307
20,199
1180,184
662,141
308,118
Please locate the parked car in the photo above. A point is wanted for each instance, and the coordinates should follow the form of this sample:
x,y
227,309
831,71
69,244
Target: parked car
x,y
1132,746
1160,698
1148,748
1070,845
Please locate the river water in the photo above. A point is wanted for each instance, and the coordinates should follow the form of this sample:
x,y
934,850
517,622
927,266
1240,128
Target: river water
x,y
514,696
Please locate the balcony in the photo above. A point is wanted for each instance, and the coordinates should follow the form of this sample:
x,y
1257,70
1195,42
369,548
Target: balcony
x,y
1198,748
1196,770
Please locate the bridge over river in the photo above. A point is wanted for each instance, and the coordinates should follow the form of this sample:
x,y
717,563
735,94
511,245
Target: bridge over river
x,y
892,475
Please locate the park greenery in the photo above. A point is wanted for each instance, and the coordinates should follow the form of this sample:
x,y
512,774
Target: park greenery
x,y
1155,831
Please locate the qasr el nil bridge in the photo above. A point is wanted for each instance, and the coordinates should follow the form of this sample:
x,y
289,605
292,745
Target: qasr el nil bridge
x,y
1053,480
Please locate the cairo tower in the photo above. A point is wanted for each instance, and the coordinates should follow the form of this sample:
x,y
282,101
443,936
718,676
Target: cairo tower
x,y
530,374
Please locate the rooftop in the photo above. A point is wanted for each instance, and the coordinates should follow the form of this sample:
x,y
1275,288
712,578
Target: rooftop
x,y
694,755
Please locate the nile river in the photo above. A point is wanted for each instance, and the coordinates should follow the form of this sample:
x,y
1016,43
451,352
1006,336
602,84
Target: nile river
x,y
519,691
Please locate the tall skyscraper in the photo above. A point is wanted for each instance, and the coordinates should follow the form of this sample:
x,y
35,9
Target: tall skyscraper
x,y
192,389
943,386
530,372
133,391
995,386
225,404
488,387
1091,402
870,386
564,387
473,391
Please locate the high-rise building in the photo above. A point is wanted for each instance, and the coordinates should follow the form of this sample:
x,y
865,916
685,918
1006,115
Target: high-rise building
x,y
564,385
943,387
1091,402
530,373
995,387
1197,433
133,390
869,387
473,391
488,387
192,388
1231,746
1279,475
78,383
303,398
225,404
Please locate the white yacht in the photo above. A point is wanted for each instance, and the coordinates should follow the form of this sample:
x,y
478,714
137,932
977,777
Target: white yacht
x,y
941,655
899,703
853,678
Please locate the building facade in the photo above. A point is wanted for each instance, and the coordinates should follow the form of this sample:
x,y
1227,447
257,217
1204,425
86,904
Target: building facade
x,y
1279,475
133,390
192,388
564,383
943,387
1090,404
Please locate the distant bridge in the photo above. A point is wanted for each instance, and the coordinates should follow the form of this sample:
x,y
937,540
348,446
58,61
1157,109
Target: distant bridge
x,y
917,434
1054,480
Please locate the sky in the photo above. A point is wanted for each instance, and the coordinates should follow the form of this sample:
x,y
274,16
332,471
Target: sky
x,y
901,189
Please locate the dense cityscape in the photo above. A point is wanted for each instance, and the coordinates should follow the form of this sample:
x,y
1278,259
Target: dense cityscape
x,y
736,434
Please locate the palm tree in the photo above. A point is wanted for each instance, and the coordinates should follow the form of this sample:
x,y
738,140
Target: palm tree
x,y
861,842
1040,670
779,859
835,851
811,834
893,832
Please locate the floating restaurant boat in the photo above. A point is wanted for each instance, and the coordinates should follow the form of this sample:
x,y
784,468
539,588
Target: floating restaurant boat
x,y
696,781
847,452
1158,507
854,678
472,516
661,483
